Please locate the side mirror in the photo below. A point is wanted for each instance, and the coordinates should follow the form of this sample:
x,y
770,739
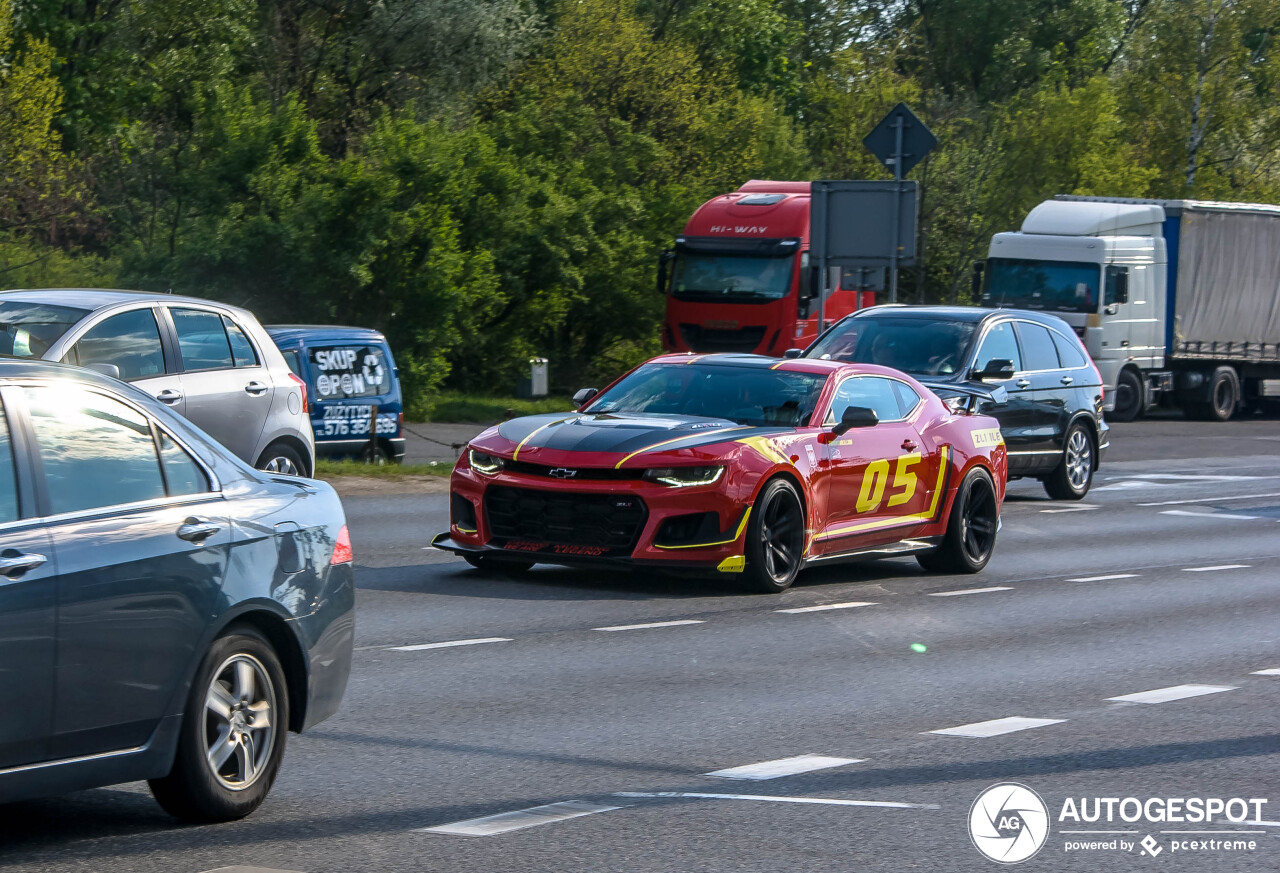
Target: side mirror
x,y
856,416
106,369
997,369
979,267
585,394
793,353
664,270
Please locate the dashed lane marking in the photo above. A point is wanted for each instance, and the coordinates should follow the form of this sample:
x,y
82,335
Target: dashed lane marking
x,y
970,591
783,767
1213,569
1186,513
1174,692
823,608
770,798
504,822
450,644
1270,671
1105,578
627,627
1212,499
1079,507
240,868
996,727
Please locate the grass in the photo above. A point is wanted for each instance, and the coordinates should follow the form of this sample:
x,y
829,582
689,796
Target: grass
x,y
456,406
329,469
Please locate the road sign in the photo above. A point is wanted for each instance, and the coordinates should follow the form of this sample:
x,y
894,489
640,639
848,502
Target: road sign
x,y
900,155
851,223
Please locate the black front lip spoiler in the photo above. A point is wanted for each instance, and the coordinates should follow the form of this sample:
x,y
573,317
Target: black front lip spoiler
x,y
447,543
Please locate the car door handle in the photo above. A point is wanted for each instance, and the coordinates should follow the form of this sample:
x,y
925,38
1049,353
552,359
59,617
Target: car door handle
x,y
195,530
1023,383
1067,380
169,396
908,446
256,388
14,563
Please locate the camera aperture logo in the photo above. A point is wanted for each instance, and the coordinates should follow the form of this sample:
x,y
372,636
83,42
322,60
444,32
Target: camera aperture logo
x,y
1008,823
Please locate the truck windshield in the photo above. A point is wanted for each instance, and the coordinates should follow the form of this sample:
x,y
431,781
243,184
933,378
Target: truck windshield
x,y
731,278
747,395
28,329
919,346
1056,286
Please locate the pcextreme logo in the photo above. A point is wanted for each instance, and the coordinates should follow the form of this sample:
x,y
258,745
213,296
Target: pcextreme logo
x,y
1008,823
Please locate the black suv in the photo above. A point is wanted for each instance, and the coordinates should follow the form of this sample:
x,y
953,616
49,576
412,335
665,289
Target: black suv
x,y
1052,422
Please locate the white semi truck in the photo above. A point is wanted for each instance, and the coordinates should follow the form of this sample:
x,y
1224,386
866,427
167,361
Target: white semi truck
x,y
1178,301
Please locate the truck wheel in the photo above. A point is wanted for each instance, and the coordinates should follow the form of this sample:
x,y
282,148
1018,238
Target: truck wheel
x,y
1224,397
1131,398
971,531
1071,479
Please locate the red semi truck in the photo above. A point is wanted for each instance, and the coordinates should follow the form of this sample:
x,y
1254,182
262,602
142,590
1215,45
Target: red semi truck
x,y
738,278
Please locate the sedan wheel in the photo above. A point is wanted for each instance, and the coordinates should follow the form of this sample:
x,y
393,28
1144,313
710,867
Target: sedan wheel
x,y
282,458
970,539
775,539
239,730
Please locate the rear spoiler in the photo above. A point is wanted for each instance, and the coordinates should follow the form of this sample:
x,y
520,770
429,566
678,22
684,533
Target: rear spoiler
x,y
971,394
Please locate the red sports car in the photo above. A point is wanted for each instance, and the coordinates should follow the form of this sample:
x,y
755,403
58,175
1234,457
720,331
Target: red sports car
x,y
739,464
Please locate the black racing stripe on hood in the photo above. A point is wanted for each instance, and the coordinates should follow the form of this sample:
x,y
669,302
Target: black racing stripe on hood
x,y
615,434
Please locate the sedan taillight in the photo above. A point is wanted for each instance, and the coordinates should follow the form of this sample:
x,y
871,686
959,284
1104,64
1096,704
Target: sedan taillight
x,y
302,386
342,553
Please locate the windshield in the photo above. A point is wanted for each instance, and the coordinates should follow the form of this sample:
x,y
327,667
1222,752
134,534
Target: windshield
x,y
30,328
1057,286
746,395
731,278
919,346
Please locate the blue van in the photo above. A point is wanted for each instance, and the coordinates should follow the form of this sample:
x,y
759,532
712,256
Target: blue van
x,y
348,371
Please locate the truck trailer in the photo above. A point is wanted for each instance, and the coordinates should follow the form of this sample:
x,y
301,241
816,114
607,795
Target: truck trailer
x,y
1178,301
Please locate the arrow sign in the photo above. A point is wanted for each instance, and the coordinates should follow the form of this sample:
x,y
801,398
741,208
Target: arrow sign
x,y
900,155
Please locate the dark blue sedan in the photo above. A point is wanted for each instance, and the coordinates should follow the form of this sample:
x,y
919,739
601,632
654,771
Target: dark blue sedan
x,y
166,611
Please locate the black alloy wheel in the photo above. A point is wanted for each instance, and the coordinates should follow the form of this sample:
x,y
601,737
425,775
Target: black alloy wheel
x,y
775,539
971,533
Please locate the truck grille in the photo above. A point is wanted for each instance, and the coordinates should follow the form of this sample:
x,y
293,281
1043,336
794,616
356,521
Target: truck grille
x,y
604,521
708,341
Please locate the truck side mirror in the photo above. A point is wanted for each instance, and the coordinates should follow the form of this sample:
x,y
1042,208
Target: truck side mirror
x,y
975,286
664,270
856,416
997,369
585,394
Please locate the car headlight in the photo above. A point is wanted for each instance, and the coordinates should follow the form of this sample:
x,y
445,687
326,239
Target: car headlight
x,y
482,462
680,477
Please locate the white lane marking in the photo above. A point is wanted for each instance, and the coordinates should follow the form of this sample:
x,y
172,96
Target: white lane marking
x,y
1219,567
1186,513
996,727
1260,823
1212,499
828,801
503,822
1188,477
783,767
450,644
970,591
1173,692
1079,507
1270,671
627,627
239,868
823,608
1105,578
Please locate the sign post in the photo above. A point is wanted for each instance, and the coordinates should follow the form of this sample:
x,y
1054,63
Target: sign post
x,y
900,141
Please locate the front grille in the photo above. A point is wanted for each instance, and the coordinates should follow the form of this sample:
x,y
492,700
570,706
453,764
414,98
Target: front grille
x,y
708,341
604,521
575,473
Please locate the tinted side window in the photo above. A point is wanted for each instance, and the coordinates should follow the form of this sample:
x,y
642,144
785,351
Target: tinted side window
x,y
181,473
8,484
869,391
291,358
129,340
202,340
907,397
242,352
1068,352
1000,343
1039,352
95,451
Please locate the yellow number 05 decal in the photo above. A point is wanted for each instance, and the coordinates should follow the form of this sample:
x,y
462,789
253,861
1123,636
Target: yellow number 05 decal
x,y
871,494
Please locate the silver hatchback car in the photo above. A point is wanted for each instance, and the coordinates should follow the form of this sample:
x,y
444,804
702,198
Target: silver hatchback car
x,y
210,362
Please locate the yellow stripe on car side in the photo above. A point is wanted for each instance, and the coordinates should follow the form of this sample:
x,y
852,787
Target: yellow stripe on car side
x,y
736,536
766,448
515,456
897,520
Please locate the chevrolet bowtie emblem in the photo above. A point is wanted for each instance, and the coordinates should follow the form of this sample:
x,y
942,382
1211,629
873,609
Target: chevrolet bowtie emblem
x,y
562,473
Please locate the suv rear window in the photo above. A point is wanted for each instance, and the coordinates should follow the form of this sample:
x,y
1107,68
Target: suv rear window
x,y
339,372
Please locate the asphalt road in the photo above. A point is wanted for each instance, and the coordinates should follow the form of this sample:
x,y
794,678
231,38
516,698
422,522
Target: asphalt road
x,y
1163,578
